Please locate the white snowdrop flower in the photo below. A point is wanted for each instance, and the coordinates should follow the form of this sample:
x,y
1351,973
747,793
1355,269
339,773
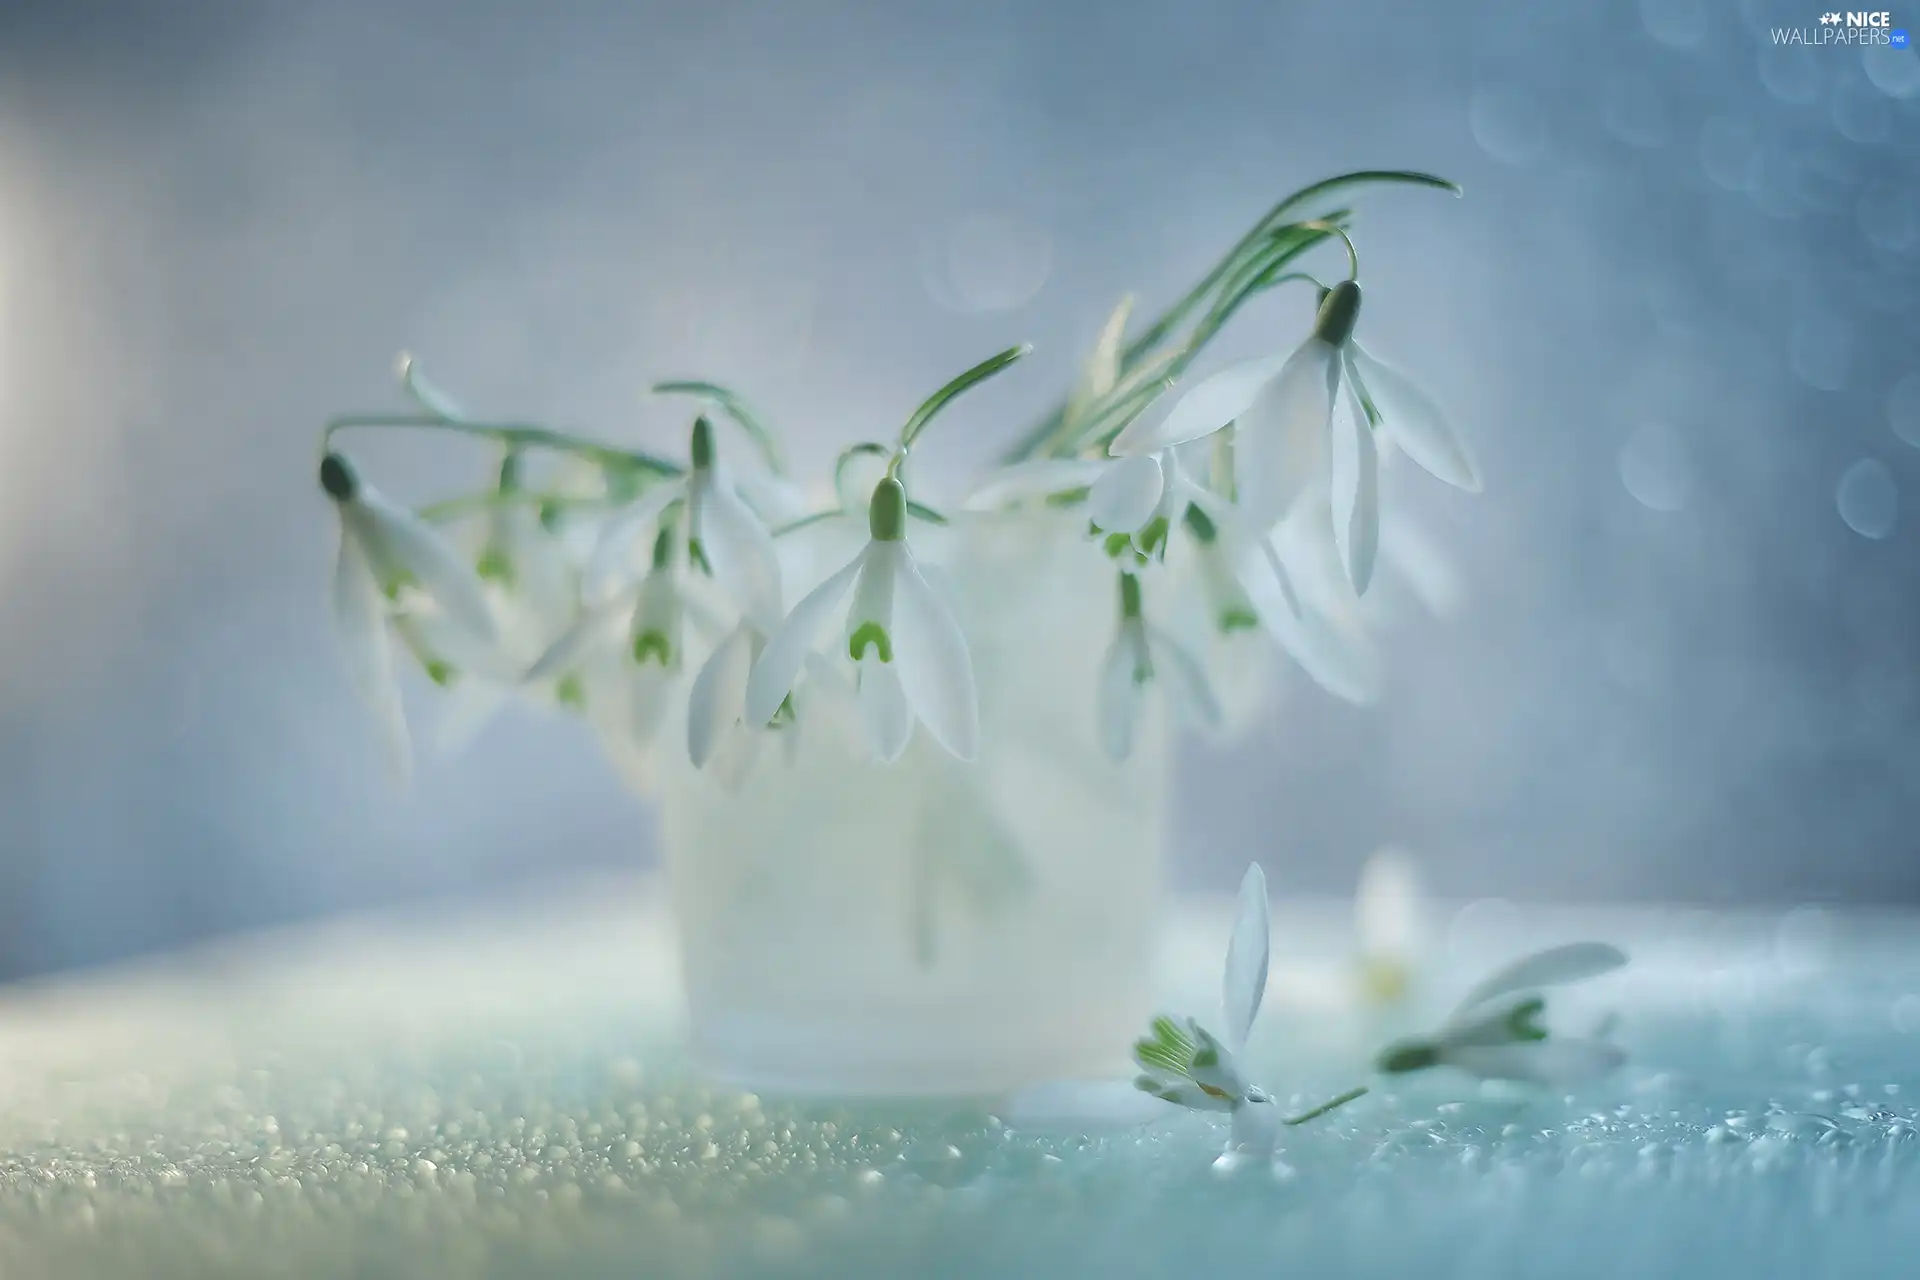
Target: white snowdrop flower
x,y
1142,654
1496,1032
1301,422
724,535
384,547
1386,920
911,658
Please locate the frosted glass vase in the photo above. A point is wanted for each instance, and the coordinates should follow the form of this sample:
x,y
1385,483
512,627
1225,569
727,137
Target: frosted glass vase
x,y
932,928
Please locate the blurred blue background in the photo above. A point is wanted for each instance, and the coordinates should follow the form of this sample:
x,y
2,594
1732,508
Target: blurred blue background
x,y
1678,314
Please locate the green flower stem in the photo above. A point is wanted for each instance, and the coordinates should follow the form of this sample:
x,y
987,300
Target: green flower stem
x,y
1331,1104
940,399
736,410
511,434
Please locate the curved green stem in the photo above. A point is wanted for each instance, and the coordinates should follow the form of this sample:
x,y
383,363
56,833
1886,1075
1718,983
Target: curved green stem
x,y
1353,254
511,434
730,403
1331,1104
472,504
940,399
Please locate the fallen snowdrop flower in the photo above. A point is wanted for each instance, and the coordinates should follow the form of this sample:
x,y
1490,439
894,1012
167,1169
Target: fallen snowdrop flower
x,y
1496,1033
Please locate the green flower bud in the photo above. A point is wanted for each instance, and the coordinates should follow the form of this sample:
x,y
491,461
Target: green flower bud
x,y
887,511
1338,314
338,479
701,448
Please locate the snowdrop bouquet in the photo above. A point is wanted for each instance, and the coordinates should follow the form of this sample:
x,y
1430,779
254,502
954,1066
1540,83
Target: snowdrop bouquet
x,y
955,679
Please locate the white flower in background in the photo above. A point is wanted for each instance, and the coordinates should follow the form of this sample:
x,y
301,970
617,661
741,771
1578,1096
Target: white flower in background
x,y
1496,1033
384,547
1301,423
911,658
1141,654
1386,921
724,535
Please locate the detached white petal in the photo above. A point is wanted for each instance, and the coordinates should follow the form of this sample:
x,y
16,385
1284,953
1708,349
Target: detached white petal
x,y
1386,906
1117,701
1213,1066
1207,407
1414,421
1280,442
406,541
1127,494
1556,966
1546,1062
1244,982
779,665
739,549
718,694
1355,473
1033,480
934,665
1256,1129
360,621
884,710
609,566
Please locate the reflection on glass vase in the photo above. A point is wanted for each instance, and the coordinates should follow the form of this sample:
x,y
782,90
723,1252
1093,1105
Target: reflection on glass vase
x,y
932,927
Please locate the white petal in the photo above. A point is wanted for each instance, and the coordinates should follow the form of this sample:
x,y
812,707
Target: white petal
x,y
610,566
1117,702
1386,906
780,662
1280,442
1068,1108
775,500
1547,1062
1259,570
1184,1094
1126,494
740,551
1421,565
718,696
733,763
1415,422
1202,410
934,665
360,621
884,711
1033,480
542,576
1221,1073
652,699
1339,657
465,709
1556,966
410,544
1184,678
598,627
1244,981
1355,474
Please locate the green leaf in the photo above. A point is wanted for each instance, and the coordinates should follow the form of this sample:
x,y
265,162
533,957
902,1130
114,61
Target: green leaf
x,y
730,403
921,511
940,399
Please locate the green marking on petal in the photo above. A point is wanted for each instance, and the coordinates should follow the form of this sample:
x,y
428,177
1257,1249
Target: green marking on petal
x,y
1232,620
570,692
494,566
1199,525
652,643
1117,544
783,714
698,555
1129,595
870,633
1068,497
1523,1023
550,513
1152,539
440,672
